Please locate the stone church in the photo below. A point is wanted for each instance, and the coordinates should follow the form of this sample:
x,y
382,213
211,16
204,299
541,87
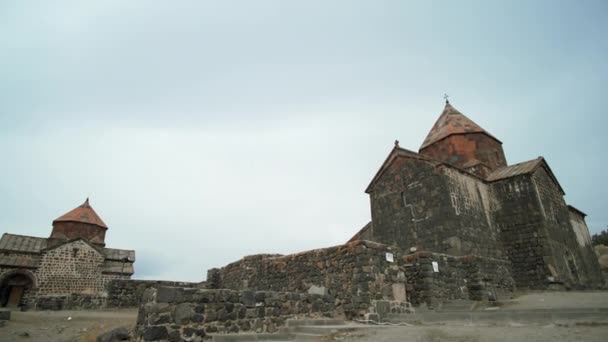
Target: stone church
x,y
68,269
458,196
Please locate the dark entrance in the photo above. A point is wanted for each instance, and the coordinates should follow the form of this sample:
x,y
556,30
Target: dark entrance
x,y
12,289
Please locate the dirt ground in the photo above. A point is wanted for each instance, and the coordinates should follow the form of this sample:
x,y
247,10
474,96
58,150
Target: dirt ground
x,y
558,300
546,333
54,326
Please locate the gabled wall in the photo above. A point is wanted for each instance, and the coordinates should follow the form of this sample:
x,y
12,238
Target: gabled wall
x,y
416,203
70,268
409,205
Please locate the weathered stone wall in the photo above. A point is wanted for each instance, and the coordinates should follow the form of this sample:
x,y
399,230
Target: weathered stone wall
x,y
356,274
128,292
589,259
67,230
74,301
518,216
185,314
70,268
466,277
409,205
575,264
471,230
434,207
461,149
538,234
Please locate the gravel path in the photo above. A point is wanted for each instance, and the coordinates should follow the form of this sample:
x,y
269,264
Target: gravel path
x,y
54,326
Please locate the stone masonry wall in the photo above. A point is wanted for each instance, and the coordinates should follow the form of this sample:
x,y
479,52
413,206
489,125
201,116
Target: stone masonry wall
x,y
355,274
460,149
435,208
561,250
128,292
472,229
467,277
519,218
408,205
589,257
188,314
71,268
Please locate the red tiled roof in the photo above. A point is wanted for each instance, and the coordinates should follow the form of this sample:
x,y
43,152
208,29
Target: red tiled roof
x,y
85,214
450,122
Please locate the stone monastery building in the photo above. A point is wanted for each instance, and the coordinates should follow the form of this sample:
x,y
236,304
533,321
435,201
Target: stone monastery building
x,y
72,263
458,196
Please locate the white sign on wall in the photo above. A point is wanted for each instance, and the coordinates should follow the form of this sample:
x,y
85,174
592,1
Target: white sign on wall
x,y
435,266
389,257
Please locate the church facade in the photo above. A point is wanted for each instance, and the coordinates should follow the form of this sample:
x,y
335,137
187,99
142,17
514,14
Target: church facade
x,y
458,196
68,269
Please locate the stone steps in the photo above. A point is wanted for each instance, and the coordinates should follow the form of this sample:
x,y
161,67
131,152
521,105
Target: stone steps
x,y
303,330
459,305
503,316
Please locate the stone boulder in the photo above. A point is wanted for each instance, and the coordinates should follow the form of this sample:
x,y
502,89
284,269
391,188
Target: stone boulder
x,y
602,255
118,334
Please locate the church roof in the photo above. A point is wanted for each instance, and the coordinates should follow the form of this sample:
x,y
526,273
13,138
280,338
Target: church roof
x,y
515,169
16,247
450,122
84,214
523,168
360,233
22,243
571,208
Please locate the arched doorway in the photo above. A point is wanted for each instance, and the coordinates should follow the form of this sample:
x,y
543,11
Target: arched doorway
x,y
13,286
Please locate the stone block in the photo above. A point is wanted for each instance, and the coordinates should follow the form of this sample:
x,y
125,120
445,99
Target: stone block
x,y
183,314
118,334
155,333
318,290
5,314
166,294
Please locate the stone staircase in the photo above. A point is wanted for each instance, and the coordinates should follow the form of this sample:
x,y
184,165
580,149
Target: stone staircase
x,y
470,312
296,330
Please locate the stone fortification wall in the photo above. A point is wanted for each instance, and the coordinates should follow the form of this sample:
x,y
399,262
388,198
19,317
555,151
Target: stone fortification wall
x,y
128,292
74,301
185,314
467,277
118,293
356,274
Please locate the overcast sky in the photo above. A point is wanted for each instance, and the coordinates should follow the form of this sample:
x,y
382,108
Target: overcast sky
x,y
204,131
